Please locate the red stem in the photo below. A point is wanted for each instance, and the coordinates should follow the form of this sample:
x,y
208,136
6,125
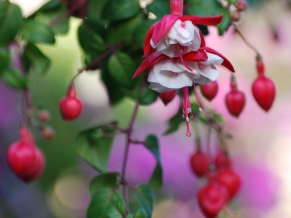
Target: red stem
x,y
125,156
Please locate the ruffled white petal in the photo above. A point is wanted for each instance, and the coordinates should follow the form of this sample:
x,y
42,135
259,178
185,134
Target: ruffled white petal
x,y
170,74
184,34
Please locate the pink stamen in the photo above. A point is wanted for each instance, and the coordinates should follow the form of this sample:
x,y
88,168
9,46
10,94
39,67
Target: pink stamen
x,y
197,97
186,107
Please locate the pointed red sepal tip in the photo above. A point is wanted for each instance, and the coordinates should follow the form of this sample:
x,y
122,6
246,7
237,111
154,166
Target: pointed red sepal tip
x,y
195,56
226,63
147,62
212,20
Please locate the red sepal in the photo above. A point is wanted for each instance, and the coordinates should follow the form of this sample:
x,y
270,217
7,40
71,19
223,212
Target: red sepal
x,y
163,27
147,62
213,20
226,63
147,48
196,56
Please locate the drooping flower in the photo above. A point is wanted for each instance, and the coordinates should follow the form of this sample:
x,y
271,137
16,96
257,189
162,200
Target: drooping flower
x,y
177,55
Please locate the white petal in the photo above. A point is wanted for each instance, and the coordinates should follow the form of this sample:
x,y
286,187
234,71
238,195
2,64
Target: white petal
x,y
202,80
191,64
196,42
151,77
157,87
212,58
152,44
173,80
171,65
208,71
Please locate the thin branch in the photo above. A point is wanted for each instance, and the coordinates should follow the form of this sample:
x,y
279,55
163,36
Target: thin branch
x,y
245,40
111,49
125,157
72,10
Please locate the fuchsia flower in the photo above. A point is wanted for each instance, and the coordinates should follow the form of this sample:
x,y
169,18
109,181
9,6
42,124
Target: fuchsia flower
x,y
181,57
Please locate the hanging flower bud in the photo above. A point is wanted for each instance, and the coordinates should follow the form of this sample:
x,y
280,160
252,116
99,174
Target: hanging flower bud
x,y
222,161
167,96
211,199
263,88
70,106
209,90
44,116
230,180
24,158
47,132
235,100
235,15
241,5
199,163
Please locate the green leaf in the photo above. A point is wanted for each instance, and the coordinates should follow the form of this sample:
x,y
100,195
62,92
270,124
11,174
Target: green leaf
x,y
115,10
52,12
159,8
51,5
106,180
39,62
118,202
140,32
95,9
114,93
148,96
36,32
106,203
140,213
152,144
90,40
123,30
94,148
121,67
4,60
211,8
14,79
217,118
175,121
145,197
11,21
225,23
129,216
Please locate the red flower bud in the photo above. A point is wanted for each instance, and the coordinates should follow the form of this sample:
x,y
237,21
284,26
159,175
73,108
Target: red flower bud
x,y
209,90
167,96
44,115
235,100
222,161
211,199
25,159
263,88
199,164
70,106
235,15
230,180
241,5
